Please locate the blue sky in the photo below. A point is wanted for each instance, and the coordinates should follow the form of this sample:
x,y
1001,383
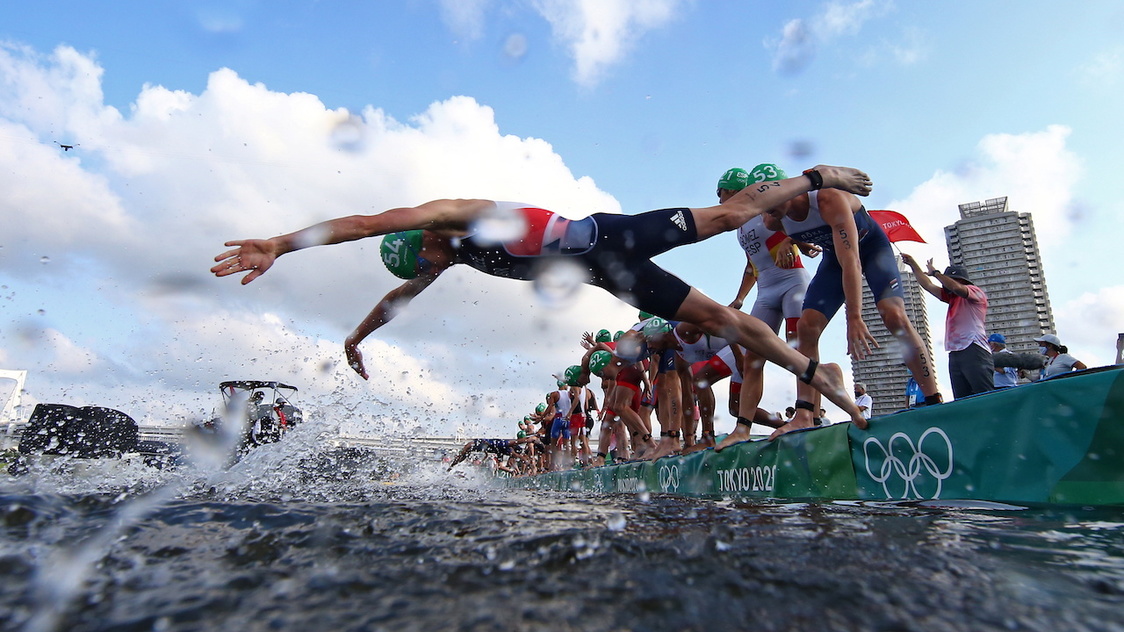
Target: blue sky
x,y
196,123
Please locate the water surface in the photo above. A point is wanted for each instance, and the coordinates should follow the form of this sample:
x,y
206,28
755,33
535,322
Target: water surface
x,y
299,538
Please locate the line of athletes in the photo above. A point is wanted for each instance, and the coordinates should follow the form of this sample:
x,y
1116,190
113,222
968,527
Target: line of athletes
x,y
677,363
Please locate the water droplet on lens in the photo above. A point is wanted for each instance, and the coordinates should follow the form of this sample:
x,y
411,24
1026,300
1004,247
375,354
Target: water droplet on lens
x,y
349,134
498,224
313,236
558,280
617,522
515,47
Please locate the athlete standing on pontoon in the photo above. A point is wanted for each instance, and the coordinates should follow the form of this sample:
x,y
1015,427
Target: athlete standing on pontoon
x,y
854,246
615,251
774,266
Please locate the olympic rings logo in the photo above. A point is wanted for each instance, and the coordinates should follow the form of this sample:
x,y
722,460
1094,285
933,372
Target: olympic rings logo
x,y
669,478
893,467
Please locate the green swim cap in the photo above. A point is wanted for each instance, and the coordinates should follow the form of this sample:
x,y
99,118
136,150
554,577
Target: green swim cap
x,y
645,315
734,180
655,327
602,336
540,409
598,360
617,336
767,172
399,253
572,374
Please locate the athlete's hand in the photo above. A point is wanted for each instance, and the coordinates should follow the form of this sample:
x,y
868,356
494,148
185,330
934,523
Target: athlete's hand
x,y
253,255
785,258
355,359
810,250
860,342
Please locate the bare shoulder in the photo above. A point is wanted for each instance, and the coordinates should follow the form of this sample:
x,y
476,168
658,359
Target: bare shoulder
x,y
459,203
836,204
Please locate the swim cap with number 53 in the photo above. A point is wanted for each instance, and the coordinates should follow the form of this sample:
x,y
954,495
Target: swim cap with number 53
x,y
767,172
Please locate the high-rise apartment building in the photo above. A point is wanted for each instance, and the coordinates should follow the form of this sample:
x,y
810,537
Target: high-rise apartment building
x,y
883,372
999,248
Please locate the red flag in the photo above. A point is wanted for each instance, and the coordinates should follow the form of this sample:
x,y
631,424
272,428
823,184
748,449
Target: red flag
x,y
897,227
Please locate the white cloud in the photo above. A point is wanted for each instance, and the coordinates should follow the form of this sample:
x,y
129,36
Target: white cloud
x,y
1035,170
907,48
802,38
465,17
840,18
1104,69
1039,174
1090,325
65,357
795,49
600,32
145,202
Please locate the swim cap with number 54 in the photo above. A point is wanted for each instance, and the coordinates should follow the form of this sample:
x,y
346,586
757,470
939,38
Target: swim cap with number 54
x,y
399,252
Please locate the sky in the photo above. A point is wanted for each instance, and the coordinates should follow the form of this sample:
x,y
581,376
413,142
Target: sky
x,y
192,124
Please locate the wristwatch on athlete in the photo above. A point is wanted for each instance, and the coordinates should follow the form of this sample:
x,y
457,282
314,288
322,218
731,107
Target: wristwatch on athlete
x,y
815,177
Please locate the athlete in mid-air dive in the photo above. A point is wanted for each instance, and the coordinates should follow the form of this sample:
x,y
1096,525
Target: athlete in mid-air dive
x,y
614,250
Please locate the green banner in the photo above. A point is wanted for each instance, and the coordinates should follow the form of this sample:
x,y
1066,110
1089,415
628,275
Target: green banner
x,y
1057,441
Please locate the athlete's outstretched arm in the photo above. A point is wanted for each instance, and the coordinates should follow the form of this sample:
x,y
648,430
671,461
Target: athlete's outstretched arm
x,y
922,279
394,301
757,198
255,256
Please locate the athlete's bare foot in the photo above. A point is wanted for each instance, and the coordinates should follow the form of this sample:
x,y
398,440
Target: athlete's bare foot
x,y
846,179
668,446
643,449
829,381
690,449
802,420
740,434
707,441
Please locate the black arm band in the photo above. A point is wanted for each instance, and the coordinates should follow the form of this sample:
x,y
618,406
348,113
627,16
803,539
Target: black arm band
x,y
816,178
810,372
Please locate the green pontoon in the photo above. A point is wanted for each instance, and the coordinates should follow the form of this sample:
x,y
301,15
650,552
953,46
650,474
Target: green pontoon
x,y
1057,441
